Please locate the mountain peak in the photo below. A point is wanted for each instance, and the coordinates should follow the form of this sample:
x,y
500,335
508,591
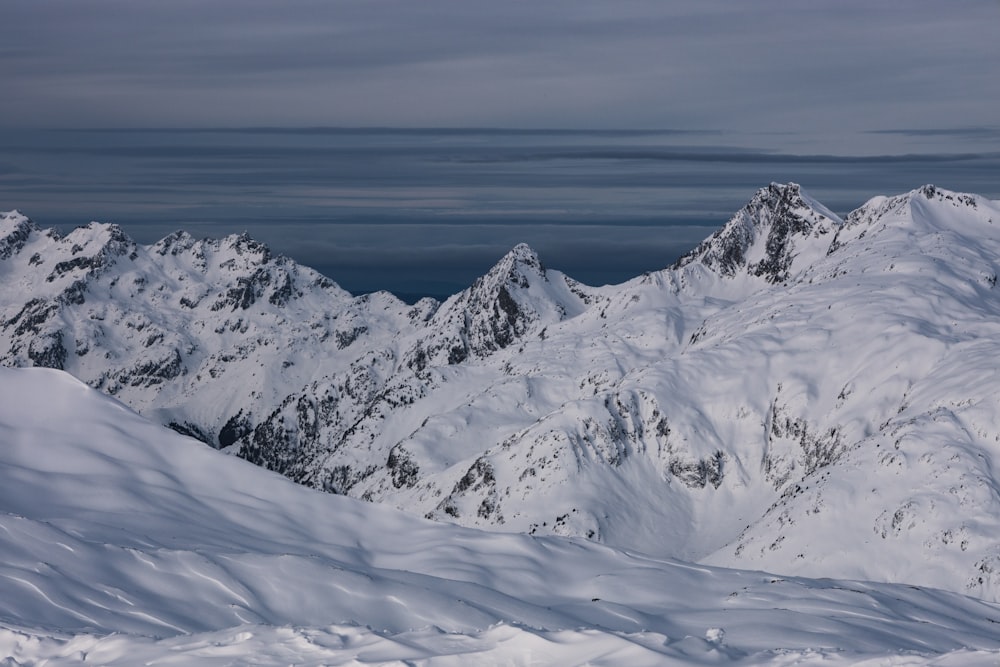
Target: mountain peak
x,y
13,215
518,267
523,251
924,204
15,228
931,192
514,298
174,243
244,244
764,238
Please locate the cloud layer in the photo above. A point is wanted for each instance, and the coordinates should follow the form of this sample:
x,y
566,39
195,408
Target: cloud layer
x,y
421,211
813,75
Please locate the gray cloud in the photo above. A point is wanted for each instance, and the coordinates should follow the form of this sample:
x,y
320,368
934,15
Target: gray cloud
x,y
968,133
822,71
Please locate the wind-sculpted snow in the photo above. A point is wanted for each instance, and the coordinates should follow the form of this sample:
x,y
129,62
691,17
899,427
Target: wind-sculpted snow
x,y
802,393
126,543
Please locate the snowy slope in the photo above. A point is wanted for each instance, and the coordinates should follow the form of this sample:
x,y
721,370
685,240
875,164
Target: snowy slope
x,y
428,436
907,394
800,393
126,543
197,333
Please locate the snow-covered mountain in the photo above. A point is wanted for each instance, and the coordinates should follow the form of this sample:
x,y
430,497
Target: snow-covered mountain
x,y
202,335
124,543
800,393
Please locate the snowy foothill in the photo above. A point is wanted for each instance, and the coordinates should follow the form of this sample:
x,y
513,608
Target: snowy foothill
x,y
126,543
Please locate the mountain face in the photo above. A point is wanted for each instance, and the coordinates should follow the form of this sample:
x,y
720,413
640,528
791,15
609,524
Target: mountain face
x,y
800,393
780,227
197,334
513,300
124,543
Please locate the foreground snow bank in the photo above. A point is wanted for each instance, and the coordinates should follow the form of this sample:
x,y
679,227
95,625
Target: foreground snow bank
x,y
124,543
499,645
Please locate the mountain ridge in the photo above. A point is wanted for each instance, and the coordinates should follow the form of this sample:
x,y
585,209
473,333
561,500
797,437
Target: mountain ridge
x,y
695,411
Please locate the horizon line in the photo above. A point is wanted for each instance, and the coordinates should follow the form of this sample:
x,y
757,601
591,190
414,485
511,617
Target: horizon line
x,y
388,129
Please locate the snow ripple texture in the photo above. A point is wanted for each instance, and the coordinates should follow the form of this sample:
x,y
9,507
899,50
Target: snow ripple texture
x,y
124,543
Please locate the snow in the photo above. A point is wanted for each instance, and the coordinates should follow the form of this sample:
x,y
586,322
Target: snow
x,y
499,645
126,543
805,394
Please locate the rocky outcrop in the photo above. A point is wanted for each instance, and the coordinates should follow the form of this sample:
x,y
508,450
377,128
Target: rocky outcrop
x,y
767,235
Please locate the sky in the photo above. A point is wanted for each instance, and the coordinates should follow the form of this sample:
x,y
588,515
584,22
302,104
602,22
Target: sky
x,y
404,145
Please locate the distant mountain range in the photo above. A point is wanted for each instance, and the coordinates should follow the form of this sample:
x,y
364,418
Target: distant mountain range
x,y
800,393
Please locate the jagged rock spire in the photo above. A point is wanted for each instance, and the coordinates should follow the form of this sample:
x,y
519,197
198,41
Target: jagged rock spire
x,y
765,236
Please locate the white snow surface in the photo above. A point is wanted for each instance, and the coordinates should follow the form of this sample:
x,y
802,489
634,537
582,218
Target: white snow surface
x,y
802,393
125,543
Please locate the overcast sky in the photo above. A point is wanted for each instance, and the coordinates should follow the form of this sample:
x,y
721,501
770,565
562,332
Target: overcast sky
x,y
818,73
851,98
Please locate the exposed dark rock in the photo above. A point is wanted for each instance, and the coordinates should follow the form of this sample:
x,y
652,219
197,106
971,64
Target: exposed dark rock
x,y
190,430
402,468
155,371
15,240
75,294
345,338
235,428
698,474
32,316
780,213
342,478
283,292
479,475
48,351
246,292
